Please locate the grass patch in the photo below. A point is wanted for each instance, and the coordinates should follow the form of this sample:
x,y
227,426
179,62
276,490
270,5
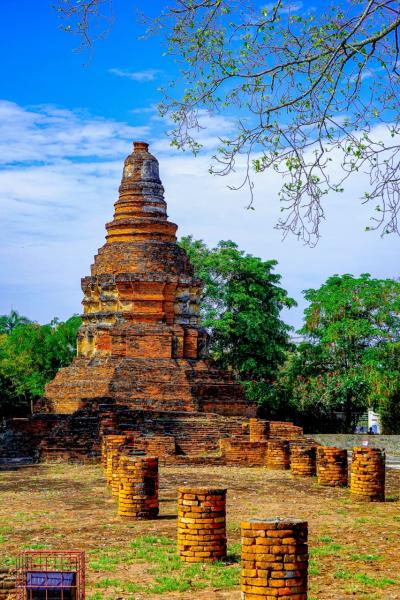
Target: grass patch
x,y
161,552
106,583
106,560
327,550
377,582
366,557
325,539
169,573
313,568
364,579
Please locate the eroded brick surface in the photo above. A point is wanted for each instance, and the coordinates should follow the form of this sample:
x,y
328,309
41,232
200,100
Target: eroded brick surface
x,y
141,343
368,474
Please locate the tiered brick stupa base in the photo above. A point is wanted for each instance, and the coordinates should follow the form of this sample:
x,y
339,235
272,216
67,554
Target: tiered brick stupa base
x,y
140,344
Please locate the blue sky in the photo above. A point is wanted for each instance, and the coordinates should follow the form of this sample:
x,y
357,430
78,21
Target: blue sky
x,y
67,121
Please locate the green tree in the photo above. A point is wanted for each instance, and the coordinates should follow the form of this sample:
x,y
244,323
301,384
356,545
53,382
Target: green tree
x,y
350,328
301,88
30,356
9,322
241,304
383,365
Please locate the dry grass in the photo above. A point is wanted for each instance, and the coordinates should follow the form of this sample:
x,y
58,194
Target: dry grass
x,y
355,548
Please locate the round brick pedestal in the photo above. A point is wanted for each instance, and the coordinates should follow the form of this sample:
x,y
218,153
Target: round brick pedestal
x,y
113,444
201,524
108,425
368,474
138,487
278,455
274,559
332,469
303,460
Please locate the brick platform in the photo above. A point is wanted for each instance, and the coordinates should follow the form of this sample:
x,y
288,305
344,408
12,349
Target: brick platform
x,y
278,455
302,460
332,468
201,524
138,487
368,474
274,559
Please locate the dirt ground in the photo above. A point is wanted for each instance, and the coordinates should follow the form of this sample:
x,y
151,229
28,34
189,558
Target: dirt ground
x,y
354,548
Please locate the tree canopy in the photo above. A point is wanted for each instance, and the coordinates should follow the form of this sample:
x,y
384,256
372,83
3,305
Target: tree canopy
x,y
305,90
241,304
30,356
350,355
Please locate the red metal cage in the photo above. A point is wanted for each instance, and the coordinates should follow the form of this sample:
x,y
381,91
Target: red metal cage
x,y
50,575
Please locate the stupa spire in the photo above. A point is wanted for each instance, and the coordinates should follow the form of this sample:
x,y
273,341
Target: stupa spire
x,y
140,211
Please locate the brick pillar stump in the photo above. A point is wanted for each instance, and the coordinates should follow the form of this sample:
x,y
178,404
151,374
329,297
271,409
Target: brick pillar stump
x,y
138,487
201,524
332,468
303,460
257,430
108,425
278,454
113,445
125,447
368,474
274,559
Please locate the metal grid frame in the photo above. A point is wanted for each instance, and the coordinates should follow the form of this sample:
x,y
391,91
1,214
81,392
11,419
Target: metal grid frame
x,y
50,562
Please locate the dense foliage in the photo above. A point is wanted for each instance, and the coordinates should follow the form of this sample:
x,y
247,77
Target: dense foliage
x,y
349,359
241,306
30,356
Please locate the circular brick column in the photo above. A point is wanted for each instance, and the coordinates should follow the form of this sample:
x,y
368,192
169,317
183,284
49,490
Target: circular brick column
x,y
278,454
332,466
138,487
274,559
113,445
108,425
368,474
201,524
303,460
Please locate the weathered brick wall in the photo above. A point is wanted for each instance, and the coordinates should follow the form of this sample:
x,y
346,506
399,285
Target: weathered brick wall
x,y
243,453
172,436
76,437
284,430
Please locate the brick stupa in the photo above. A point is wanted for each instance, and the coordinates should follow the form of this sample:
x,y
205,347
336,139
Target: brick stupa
x,y
141,345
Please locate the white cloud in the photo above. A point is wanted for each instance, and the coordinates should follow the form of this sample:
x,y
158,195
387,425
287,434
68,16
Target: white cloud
x,y
47,133
59,180
140,76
